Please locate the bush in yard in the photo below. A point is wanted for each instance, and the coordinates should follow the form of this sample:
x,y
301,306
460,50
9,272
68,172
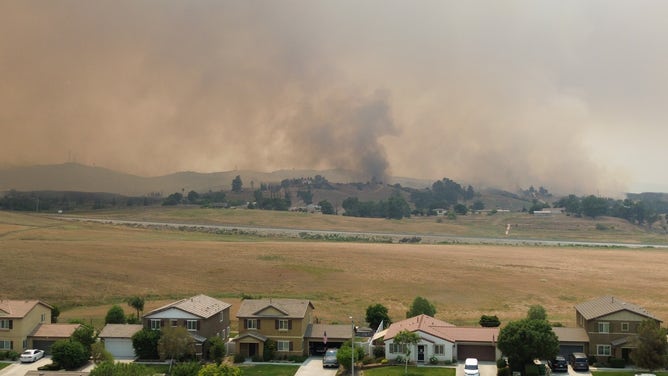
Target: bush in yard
x,y
617,362
186,369
379,351
239,358
99,354
216,349
69,354
145,343
109,368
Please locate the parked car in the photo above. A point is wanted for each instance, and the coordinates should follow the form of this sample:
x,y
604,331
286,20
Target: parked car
x,y
471,367
330,359
559,364
31,355
579,361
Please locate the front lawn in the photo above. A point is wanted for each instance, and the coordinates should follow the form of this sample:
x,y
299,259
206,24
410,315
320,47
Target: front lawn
x,y
269,370
412,371
3,365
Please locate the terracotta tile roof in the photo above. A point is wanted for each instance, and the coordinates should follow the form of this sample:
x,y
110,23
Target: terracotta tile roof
x,y
571,334
119,330
423,323
334,331
54,330
443,330
475,334
17,309
288,308
607,305
201,305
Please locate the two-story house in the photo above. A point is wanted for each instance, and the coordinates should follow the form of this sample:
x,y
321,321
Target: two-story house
x,y
203,317
611,325
18,319
284,321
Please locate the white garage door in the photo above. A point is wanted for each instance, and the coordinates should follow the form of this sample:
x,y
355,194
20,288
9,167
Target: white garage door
x,y
119,348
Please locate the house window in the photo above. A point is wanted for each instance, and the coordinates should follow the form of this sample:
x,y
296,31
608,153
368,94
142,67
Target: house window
x,y
397,349
439,349
43,318
6,345
625,327
251,324
25,343
282,345
604,327
174,323
156,324
191,325
6,324
283,325
603,350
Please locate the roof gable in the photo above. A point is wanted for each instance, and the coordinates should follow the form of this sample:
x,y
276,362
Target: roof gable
x,y
607,305
201,305
271,310
423,323
18,309
283,308
119,330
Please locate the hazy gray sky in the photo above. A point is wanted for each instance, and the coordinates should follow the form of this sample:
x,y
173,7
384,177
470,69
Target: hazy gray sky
x,y
571,95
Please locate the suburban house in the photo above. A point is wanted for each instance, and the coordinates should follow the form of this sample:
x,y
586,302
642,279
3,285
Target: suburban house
x,y
203,317
284,321
18,320
323,336
117,339
442,340
45,335
611,325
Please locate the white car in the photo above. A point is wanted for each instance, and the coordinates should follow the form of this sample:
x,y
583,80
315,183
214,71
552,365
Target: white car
x,y
31,355
471,367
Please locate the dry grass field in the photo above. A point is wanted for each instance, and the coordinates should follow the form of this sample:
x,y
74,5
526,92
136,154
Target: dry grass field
x,y
85,267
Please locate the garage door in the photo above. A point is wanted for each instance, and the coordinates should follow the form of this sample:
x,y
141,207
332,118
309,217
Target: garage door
x,y
119,348
565,350
43,345
481,352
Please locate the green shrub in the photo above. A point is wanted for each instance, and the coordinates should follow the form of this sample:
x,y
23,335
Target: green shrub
x,y
531,370
256,358
297,358
505,371
368,360
379,351
617,362
50,367
383,361
186,369
501,363
239,358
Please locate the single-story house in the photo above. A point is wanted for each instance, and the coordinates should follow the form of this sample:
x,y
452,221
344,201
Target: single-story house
x,y
117,339
442,340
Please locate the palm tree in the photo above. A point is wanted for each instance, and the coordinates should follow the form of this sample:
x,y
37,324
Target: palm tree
x,y
136,302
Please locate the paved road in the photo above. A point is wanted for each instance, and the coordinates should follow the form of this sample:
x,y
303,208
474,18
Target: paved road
x,y
313,367
291,232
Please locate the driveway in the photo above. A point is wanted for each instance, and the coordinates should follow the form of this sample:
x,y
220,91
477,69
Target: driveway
x,y
486,368
572,372
313,367
20,369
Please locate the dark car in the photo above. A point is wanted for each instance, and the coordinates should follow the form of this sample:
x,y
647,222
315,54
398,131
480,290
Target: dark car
x,y
559,364
579,361
330,359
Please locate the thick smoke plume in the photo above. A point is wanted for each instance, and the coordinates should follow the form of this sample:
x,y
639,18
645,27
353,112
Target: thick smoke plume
x,y
495,94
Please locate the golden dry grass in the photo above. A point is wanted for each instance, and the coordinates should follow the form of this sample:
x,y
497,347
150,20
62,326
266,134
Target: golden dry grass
x,y
95,265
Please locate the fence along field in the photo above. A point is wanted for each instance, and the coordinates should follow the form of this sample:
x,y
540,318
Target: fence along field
x,y
87,264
